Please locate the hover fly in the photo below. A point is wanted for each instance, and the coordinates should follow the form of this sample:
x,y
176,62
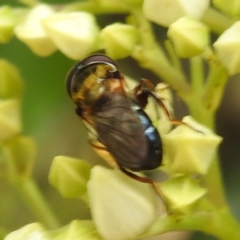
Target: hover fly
x,y
116,117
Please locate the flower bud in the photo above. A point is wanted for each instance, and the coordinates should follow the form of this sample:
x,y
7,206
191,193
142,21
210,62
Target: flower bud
x,y
11,84
119,39
70,176
188,150
226,48
190,37
31,231
231,7
32,33
165,12
75,34
10,119
7,23
133,3
83,229
182,193
21,152
122,208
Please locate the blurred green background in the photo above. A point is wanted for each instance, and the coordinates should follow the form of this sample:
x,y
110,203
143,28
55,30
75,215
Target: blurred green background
x,y
48,117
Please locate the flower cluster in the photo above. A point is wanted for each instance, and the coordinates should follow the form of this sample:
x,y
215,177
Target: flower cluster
x,y
45,29
123,208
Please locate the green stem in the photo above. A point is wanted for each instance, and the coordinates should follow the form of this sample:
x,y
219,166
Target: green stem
x,y
215,85
214,184
217,21
213,180
35,201
97,7
172,55
203,103
197,78
220,224
194,100
150,55
18,154
200,113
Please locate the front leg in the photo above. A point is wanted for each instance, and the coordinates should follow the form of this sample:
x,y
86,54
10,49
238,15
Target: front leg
x,y
102,151
148,181
145,89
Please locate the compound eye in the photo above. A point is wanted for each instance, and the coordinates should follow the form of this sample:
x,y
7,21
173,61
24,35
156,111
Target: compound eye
x,y
99,58
71,78
79,73
83,69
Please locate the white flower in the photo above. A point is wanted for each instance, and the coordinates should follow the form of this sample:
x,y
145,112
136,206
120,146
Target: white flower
x,y
32,33
75,33
119,40
189,36
189,150
33,231
182,193
122,208
227,47
10,119
165,12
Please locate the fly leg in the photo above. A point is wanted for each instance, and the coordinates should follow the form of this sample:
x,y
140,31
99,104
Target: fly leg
x,y
145,180
146,89
96,146
100,149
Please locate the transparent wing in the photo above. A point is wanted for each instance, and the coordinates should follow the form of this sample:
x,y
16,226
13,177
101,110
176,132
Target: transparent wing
x,y
120,130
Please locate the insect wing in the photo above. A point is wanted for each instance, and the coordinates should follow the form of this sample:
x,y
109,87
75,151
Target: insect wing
x,y
120,131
